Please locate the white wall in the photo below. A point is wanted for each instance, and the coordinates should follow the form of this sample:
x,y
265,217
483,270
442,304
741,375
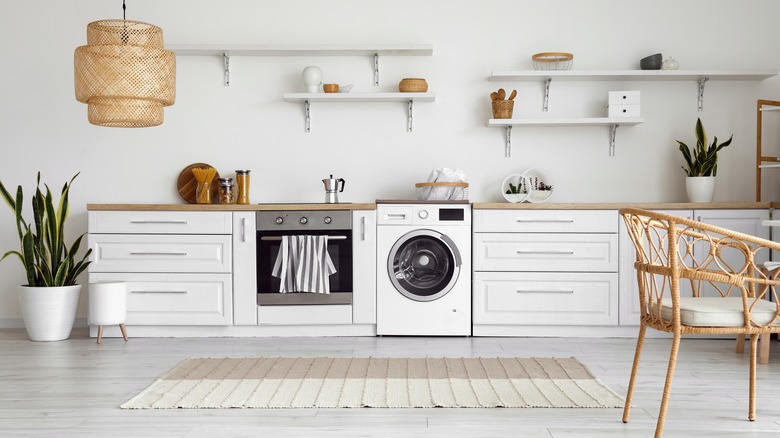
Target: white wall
x,y
247,125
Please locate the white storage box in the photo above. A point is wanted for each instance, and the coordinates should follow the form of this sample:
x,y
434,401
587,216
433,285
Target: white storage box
x,y
623,111
624,98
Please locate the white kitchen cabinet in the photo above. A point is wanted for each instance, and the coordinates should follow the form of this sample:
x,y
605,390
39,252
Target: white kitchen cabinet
x,y
178,265
244,267
364,267
746,221
544,267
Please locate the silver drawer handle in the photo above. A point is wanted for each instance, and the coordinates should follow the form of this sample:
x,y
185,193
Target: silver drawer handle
x,y
520,251
543,291
158,292
160,253
159,222
565,221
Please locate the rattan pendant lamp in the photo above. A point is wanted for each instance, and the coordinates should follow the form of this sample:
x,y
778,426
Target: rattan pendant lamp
x,y
124,74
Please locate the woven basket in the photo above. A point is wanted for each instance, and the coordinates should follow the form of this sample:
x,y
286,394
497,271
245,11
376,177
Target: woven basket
x,y
552,61
442,191
502,109
413,85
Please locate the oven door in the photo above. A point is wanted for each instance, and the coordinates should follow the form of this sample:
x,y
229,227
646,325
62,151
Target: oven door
x,y
340,251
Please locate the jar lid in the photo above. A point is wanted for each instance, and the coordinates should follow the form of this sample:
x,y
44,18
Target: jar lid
x,y
242,172
226,181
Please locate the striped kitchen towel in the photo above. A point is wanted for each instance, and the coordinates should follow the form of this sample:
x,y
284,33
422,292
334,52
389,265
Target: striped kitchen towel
x,y
303,264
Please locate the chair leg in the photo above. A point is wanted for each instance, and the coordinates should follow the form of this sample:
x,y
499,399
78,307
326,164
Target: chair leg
x,y
124,332
752,405
637,353
763,353
740,344
100,334
659,427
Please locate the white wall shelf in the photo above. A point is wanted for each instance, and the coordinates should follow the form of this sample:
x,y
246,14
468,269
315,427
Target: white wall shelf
x,y
226,51
611,122
763,161
700,76
309,98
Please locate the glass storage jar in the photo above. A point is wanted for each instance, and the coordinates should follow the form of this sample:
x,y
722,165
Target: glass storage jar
x,y
242,180
227,194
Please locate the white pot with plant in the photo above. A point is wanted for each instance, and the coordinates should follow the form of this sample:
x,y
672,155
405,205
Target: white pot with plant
x,y
701,165
49,300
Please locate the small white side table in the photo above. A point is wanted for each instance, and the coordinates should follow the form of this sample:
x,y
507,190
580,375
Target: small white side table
x,y
108,306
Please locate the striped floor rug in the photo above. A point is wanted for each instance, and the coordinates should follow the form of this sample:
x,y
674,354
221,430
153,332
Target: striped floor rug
x,y
355,382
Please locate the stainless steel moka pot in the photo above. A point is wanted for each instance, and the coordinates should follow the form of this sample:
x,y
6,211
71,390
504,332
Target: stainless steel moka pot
x,y
332,189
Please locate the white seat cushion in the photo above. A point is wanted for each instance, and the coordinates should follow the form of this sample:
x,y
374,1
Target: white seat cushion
x,y
718,311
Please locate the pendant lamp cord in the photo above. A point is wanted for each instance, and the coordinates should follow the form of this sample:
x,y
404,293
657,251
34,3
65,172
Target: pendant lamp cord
x,y
124,10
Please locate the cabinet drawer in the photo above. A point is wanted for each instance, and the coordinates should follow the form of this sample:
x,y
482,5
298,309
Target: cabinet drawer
x,y
545,252
160,222
160,253
176,299
546,221
541,298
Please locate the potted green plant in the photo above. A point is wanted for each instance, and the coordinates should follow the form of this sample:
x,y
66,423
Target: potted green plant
x,y
701,165
49,300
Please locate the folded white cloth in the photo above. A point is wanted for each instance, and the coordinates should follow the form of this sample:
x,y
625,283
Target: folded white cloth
x,y
303,264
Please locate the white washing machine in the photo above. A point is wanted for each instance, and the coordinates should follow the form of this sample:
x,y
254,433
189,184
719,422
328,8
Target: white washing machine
x,y
423,269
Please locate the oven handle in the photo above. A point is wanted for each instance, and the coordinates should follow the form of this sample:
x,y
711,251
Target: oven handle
x,y
272,238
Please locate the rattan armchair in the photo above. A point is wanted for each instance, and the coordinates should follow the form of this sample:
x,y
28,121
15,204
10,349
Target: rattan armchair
x,y
689,283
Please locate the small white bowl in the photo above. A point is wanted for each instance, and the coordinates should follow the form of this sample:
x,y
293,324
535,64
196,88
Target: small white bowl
x,y
516,179
534,178
345,88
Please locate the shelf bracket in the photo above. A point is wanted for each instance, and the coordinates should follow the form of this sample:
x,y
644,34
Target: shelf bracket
x,y
546,93
376,69
508,142
701,92
307,110
226,60
612,131
409,118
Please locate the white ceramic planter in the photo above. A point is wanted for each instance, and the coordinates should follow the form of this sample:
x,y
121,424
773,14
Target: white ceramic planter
x,y
700,188
312,78
107,303
49,312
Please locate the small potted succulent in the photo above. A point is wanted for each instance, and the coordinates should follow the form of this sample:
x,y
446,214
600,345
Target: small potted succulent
x,y
514,189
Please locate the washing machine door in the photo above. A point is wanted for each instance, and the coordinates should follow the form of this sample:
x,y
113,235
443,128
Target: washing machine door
x,y
424,265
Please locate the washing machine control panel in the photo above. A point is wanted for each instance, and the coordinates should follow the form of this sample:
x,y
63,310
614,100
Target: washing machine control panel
x,y
424,214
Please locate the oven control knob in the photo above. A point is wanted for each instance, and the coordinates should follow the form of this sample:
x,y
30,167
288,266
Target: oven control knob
x,y
328,219
279,220
423,214
304,221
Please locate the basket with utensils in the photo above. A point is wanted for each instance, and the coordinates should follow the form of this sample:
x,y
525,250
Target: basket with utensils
x,y
553,61
442,191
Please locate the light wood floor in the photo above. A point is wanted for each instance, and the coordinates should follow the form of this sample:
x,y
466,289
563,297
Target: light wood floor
x,y
74,388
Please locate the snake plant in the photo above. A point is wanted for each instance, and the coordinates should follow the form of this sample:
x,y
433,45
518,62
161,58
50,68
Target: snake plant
x,y
47,260
704,161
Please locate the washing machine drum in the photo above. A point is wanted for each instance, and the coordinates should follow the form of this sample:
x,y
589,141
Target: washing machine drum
x,y
424,265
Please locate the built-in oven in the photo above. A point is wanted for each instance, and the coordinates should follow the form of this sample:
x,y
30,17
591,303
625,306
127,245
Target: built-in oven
x,y
272,226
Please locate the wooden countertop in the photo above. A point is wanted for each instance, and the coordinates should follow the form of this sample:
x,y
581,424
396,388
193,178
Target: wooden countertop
x,y
618,205
230,207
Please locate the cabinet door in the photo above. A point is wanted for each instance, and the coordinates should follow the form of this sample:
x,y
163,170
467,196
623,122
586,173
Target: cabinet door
x,y
534,298
545,252
244,268
208,253
175,299
364,267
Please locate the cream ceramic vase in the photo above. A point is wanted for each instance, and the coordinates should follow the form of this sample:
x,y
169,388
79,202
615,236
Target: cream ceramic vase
x,y
49,312
312,77
700,188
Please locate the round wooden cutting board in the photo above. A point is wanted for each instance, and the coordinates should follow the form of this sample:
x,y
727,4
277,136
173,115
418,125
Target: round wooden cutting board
x,y
187,183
